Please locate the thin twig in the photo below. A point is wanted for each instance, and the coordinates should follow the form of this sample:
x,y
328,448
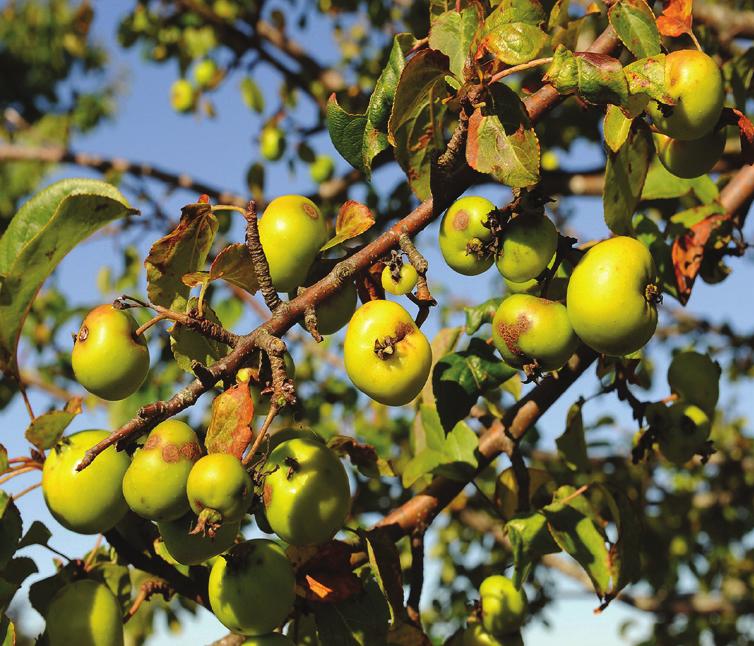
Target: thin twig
x,y
537,62
23,492
262,433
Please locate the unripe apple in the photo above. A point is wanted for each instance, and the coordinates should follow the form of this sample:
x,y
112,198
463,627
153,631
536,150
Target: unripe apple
x,y
192,549
84,612
335,311
694,81
322,168
220,483
527,328
291,230
557,288
695,378
387,357
462,235
504,606
205,73
529,244
690,158
612,296
271,143
405,283
685,433
155,484
476,635
182,96
108,359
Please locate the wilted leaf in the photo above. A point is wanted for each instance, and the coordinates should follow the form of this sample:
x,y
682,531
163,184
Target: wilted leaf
x,y
38,237
676,18
184,250
647,77
530,540
635,25
233,264
501,141
189,346
688,253
45,431
572,444
596,78
478,315
416,125
363,456
353,219
229,428
624,179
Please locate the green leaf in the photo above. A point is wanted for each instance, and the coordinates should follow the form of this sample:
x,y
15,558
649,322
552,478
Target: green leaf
x,y
455,34
501,141
353,219
625,561
572,444
7,632
529,11
346,132
10,528
3,459
452,455
40,235
252,95
530,540
361,620
459,378
416,125
512,31
233,265
648,233
117,578
45,431
617,126
184,250
663,185
443,342
188,345
479,315
596,78
624,179
635,25
37,534
573,527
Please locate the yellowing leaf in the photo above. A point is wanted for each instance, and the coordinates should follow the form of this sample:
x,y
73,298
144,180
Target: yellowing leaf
x,y
353,219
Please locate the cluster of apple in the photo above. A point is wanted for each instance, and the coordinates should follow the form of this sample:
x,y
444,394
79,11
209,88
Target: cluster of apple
x,y
184,93
687,138
682,429
499,616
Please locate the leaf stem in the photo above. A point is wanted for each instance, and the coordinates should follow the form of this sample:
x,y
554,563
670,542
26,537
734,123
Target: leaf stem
x,y
537,62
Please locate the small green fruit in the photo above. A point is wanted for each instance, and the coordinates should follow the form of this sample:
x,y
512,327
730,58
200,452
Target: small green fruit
x,y
205,73
695,378
271,143
88,501
108,359
334,312
611,296
529,244
84,613
251,588
307,496
182,96
155,484
405,283
322,168
476,635
462,235
526,329
219,482
691,158
687,430
503,606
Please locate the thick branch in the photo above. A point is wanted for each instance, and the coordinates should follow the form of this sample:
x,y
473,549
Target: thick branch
x,y
729,23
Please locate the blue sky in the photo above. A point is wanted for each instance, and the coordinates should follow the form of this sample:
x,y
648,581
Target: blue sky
x,y
218,151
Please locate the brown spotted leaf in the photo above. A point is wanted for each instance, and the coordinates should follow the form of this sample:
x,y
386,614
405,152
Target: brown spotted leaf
x,y
232,264
688,253
353,219
230,426
363,456
182,251
676,18
324,572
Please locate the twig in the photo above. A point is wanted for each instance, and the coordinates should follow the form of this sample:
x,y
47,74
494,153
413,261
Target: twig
x,y
23,492
92,553
259,259
537,62
17,472
262,433
25,396
423,296
146,591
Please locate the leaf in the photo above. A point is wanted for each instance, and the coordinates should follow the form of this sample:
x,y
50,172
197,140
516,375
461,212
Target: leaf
x,y
745,127
625,561
688,253
442,343
459,378
596,78
353,219
574,530
647,77
3,459
233,264
572,444
624,179
346,132
45,431
617,126
38,237
361,620
252,95
229,429
635,25
454,33
363,456
512,32
37,534
10,528
506,489
116,577
452,455
19,569
479,315
324,572
675,19
7,592
182,251
7,632
648,233
416,124
189,345
501,141
530,540
663,185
